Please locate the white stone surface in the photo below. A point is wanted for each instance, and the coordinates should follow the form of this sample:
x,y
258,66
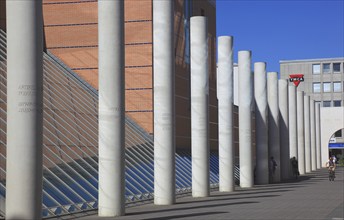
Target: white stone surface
x,y
24,109
199,107
245,126
111,108
225,112
307,127
273,122
300,133
284,127
332,119
292,121
261,113
312,124
318,135
164,103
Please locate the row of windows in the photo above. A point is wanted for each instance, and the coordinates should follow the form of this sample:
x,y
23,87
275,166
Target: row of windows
x,y
326,68
336,103
326,87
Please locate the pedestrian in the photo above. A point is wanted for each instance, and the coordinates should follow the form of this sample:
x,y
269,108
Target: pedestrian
x,y
295,167
272,168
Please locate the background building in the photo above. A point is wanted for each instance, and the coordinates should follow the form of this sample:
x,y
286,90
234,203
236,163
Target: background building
x,y
324,83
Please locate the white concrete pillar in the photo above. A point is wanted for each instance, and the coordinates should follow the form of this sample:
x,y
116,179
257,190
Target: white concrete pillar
x,y
111,108
292,121
164,107
261,113
300,133
273,124
313,149
245,125
284,127
225,111
199,107
317,135
307,134
24,109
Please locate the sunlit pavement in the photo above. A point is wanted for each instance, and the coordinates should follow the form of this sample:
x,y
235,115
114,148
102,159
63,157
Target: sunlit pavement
x,y
311,197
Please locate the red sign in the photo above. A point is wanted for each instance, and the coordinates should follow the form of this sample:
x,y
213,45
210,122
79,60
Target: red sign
x,y
296,78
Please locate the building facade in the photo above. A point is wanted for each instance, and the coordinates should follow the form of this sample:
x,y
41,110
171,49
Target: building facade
x,y
71,34
324,83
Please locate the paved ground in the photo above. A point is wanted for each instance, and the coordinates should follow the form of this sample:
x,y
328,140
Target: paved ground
x,y
311,197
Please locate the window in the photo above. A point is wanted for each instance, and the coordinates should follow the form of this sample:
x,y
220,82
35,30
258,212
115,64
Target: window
x,y
326,87
336,67
326,103
316,68
326,68
337,103
338,133
316,87
337,87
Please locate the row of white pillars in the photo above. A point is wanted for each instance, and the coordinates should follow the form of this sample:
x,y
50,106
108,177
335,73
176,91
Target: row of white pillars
x,y
25,25
304,130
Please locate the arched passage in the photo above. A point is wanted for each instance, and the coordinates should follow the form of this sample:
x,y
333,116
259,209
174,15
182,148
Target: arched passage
x,y
336,143
331,120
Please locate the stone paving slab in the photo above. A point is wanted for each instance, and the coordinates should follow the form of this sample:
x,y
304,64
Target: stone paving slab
x,y
312,197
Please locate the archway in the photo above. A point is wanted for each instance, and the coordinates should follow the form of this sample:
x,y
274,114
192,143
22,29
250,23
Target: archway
x,y
331,120
336,144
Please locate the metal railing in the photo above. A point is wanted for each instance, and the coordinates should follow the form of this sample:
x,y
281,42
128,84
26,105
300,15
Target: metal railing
x,y
70,145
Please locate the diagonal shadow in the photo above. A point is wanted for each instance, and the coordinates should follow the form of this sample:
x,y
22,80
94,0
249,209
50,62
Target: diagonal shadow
x,y
228,199
237,193
185,216
191,207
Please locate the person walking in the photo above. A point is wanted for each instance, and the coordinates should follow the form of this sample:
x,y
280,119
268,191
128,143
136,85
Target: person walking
x,y
272,168
295,167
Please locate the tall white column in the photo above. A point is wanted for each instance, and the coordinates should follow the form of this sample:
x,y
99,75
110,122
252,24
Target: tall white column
x,y
317,135
111,108
313,149
225,102
284,127
273,124
199,107
292,121
24,109
164,108
307,134
261,113
300,133
245,116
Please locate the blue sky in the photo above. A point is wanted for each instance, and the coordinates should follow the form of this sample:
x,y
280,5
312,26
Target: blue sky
x,y
277,30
